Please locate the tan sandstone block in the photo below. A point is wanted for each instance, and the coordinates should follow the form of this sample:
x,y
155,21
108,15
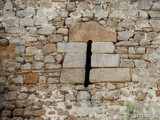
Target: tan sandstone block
x,y
72,76
110,75
91,31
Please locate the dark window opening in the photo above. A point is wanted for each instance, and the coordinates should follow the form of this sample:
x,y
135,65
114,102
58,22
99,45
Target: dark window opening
x,y
88,63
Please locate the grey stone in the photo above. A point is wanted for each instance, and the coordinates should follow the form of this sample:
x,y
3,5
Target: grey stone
x,y
26,66
127,43
105,60
144,5
49,59
127,23
18,79
156,6
83,95
110,75
117,14
20,49
28,38
63,31
38,65
103,47
140,63
52,80
72,76
4,42
42,79
8,6
53,66
26,12
55,38
125,35
110,86
20,59
27,21
16,30
143,14
127,63
154,14
47,30
49,48
38,57
140,24
59,58
71,7
101,15
155,24
73,60
33,51
3,72
3,80
72,47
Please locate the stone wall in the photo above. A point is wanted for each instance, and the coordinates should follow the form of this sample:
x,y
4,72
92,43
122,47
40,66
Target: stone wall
x,y
43,47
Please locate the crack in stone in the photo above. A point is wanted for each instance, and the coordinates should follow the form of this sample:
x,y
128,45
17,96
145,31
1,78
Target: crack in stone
x,y
88,63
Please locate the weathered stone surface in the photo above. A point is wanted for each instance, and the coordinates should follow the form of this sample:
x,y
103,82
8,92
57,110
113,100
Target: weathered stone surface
x,y
55,38
49,59
117,14
26,66
73,60
105,60
91,31
4,42
140,95
49,48
140,63
20,49
156,6
127,43
127,63
155,24
125,35
33,113
3,72
27,21
72,76
6,113
18,79
33,50
53,66
38,65
101,15
46,30
31,78
110,75
143,74
83,95
26,12
71,7
154,14
63,31
103,47
72,47
144,5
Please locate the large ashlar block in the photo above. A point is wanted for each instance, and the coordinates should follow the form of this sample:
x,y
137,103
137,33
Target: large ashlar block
x,y
105,60
74,60
72,76
110,75
103,47
84,31
72,47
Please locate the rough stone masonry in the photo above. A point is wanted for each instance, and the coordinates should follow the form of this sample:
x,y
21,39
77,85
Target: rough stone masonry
x,y
43,47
